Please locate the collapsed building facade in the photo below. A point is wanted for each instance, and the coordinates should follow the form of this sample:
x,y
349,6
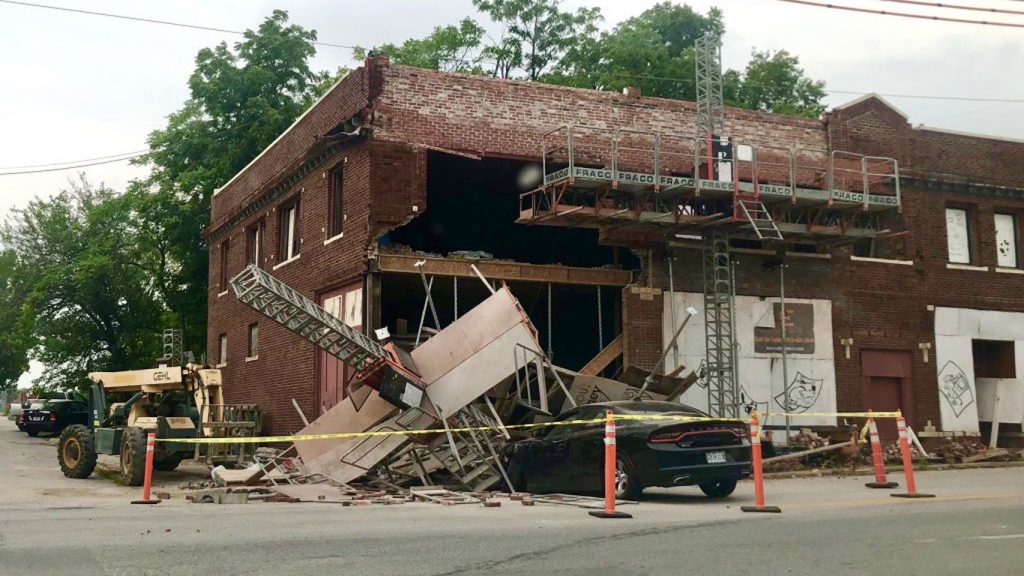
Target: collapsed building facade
x,y
898,247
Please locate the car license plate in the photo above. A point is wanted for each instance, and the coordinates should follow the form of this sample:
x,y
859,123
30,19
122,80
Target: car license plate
x,y
715,457
35,418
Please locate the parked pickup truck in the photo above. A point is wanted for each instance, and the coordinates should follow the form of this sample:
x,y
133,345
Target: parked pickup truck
x,y
54,416
18,408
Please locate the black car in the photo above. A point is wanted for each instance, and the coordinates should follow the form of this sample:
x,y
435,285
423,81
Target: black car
x,y
711,454
55,416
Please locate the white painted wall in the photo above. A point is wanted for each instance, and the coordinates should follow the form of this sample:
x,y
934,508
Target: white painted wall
x,y
960,400
760,374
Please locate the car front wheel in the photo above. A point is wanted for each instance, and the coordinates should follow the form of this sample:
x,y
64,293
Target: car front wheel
x,y
719,489
627,487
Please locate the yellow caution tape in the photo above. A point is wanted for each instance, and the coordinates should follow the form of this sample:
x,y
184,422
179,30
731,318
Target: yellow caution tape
x,y
617,417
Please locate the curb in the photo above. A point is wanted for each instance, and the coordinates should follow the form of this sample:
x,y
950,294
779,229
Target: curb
x,y
889,469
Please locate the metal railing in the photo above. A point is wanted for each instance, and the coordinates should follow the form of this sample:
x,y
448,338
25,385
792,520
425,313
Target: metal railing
x,y
668,161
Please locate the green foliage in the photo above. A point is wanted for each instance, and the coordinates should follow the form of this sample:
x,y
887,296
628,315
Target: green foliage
x,y
652,51
15,324
242,98
90,302
775,83
449,48
536,33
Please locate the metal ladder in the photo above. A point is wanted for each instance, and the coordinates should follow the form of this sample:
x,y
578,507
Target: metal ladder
x,y
755,212
280,303
719,327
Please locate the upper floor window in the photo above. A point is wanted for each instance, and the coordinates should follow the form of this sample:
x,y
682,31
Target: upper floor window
x,y
254,341
959,232
1006,241
222,350
254,244
335,213
288,231
225,251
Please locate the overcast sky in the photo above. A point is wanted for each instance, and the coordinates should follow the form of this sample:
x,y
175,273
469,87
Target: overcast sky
x,y
77,86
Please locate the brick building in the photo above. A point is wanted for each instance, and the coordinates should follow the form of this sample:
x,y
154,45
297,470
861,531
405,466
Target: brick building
x,y
897,296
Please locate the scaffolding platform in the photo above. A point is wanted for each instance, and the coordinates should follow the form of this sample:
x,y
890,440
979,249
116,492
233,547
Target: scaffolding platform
x,y
595,178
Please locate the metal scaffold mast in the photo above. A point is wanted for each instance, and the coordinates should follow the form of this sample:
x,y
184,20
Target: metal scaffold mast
x,y
279,302
719,324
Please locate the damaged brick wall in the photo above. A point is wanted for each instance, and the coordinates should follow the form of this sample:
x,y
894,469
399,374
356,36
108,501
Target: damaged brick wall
x,y
286,367
642,311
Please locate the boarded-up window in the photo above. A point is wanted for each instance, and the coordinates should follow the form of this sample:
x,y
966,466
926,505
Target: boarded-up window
x,y
958,236
1006,241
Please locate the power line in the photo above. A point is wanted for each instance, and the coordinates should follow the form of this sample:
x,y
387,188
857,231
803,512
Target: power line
x,y
71,167
73,161
956,6
904,14
837,91
151,21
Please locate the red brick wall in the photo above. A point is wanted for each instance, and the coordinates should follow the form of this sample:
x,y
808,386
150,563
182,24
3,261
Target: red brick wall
x,y
407,110
347,99
642,310
881,306
286,367
508,118
872,127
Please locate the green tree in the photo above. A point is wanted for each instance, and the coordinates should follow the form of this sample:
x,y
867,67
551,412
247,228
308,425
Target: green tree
x,y
241,99
15,324
537,33
654,51
775,83
91,303
449,48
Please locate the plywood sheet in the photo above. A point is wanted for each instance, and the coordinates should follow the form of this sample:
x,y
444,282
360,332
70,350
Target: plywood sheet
x,y
468,335
590,389
342,418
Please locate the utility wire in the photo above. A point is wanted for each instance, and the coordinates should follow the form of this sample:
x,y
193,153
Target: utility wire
x,y
956,6
903,14
73,161
151,21
836,91
71,167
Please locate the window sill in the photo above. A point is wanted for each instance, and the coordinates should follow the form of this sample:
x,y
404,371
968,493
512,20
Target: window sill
x,y
219,294
288,261
219,366
252,358
1009,270
333,238
816,255
882,260
951,266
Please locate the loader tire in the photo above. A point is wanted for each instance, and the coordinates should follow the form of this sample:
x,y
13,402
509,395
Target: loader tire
x,y
168,462
76,452
133,456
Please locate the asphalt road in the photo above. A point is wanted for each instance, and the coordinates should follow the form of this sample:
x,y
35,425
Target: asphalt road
x,y
835,526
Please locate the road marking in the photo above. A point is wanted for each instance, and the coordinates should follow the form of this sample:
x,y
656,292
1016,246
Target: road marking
x,y
999,537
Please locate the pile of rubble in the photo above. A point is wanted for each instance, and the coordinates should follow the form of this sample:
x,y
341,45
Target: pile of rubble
x,y
436,415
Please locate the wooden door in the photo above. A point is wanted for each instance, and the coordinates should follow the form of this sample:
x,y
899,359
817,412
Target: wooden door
x,y
885,394
345,304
